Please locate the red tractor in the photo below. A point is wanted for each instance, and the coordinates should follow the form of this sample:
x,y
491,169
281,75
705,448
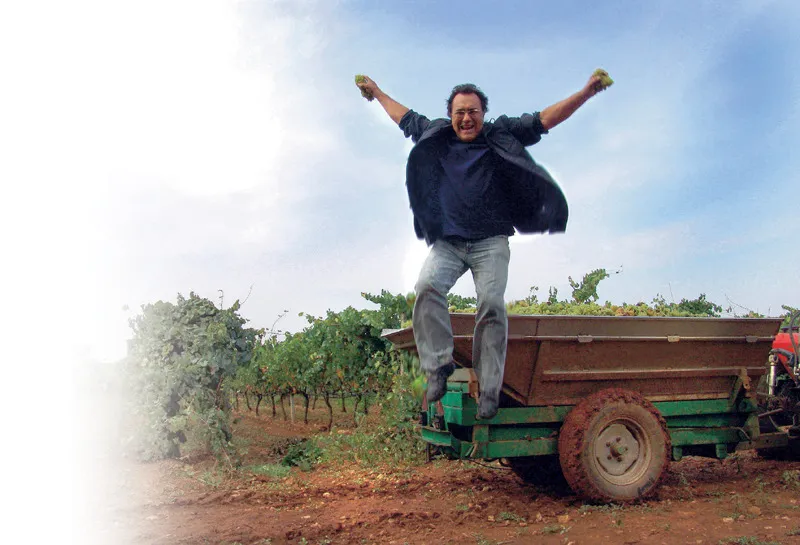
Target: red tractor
x,y
780,399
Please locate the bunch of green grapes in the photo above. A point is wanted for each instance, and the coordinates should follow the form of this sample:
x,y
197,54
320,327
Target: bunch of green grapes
x,y
605,79
360,78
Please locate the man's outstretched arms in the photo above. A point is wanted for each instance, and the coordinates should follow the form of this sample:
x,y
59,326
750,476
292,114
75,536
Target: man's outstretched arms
x,y
395,110
558,112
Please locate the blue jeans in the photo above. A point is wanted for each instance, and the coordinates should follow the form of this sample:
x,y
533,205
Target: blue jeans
x,y
447,261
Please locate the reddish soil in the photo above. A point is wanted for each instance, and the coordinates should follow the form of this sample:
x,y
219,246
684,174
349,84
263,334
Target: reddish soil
x,y
743,499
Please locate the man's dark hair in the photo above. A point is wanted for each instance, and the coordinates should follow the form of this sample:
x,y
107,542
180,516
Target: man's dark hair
x,y
467,89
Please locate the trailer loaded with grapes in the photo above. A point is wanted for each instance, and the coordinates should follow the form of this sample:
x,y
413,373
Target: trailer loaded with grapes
x,y
610,401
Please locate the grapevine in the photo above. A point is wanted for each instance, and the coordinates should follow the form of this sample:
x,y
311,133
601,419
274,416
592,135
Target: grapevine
x,y
187,360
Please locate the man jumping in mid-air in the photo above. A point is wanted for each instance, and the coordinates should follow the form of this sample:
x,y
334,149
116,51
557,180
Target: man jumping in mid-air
x,y
470,184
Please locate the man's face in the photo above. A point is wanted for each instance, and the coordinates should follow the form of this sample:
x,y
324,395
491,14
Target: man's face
x,y
466,115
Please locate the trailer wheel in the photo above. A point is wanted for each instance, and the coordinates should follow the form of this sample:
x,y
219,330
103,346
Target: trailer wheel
x,y
614,446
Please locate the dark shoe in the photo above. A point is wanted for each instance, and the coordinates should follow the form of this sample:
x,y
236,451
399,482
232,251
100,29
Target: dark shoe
x,y
487,407
437,382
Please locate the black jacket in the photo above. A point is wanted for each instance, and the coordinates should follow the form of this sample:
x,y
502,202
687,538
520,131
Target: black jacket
x,y
536,202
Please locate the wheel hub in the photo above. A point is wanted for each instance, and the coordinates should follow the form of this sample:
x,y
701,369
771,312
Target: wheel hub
x,y
616,449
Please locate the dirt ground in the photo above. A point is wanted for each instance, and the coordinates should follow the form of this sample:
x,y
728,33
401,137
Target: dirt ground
x,y
742,500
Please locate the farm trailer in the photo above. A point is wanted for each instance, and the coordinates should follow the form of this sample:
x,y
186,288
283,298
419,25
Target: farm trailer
x,y
609,401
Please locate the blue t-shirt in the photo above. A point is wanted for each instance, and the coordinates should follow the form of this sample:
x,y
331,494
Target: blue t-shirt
x,y
473,207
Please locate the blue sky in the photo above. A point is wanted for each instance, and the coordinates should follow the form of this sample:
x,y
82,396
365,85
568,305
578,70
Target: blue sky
x,y
184,146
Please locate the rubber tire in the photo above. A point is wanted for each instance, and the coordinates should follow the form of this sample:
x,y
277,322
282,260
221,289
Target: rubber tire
x,y
584,425
541,471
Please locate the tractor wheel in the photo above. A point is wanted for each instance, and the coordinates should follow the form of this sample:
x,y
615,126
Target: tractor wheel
x,y
541,471
614,446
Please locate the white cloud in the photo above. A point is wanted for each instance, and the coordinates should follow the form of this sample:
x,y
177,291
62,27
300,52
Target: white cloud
x,y
174,131
223,161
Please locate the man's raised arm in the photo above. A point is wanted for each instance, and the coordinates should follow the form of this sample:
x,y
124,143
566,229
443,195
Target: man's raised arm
x,y
558,112
395,110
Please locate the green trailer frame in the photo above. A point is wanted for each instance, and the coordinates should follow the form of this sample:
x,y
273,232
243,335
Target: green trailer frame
x,y
648,390
711,428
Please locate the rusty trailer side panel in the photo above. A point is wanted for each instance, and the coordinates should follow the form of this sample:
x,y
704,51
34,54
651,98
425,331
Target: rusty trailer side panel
x,y
559,360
